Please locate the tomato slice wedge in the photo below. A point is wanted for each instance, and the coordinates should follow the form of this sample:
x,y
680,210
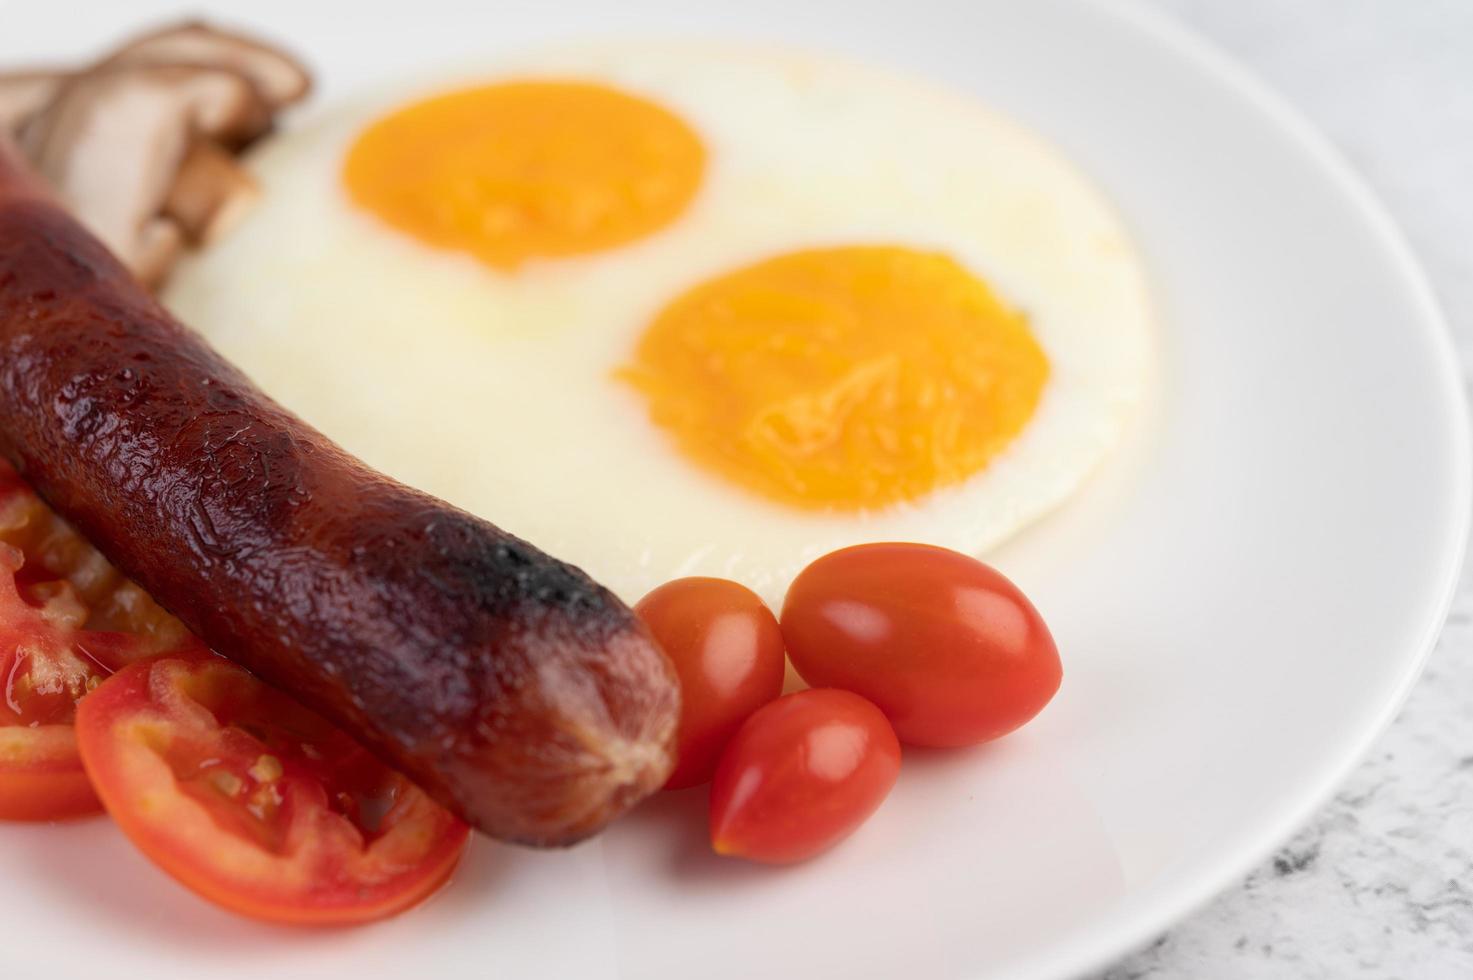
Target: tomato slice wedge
x,y
41,777
255,802
67,620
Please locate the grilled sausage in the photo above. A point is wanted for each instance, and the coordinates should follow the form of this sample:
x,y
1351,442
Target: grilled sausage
x,y
515,690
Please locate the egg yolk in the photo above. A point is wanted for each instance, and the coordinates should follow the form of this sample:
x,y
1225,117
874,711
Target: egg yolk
x,y
841,378
526,169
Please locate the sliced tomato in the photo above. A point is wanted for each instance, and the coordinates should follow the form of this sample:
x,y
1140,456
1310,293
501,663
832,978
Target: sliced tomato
x,y
41,777
67,620
256,803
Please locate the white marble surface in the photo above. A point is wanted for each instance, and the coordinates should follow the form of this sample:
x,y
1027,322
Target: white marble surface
x,y
1380,884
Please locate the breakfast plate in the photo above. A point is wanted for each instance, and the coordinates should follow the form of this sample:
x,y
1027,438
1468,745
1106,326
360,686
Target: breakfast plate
x,y
1242,594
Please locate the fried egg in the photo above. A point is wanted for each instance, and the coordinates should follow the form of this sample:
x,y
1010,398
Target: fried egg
x,y
670,310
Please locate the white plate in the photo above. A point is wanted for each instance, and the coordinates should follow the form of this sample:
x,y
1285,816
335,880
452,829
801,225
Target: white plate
x,y
1242,599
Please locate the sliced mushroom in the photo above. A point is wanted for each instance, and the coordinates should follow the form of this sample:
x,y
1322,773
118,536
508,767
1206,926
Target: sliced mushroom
x,y
141,145
113,143
210,193
24,93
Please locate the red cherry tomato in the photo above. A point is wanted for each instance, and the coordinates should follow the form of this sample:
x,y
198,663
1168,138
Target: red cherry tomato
x,y
801,775
946,646
728,653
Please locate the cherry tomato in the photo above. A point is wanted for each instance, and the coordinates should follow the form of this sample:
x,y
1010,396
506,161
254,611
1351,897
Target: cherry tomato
x,y
728,653
801,775
67,619
256,803
947,647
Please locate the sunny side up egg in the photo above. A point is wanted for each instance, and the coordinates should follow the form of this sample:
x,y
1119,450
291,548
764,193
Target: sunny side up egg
x,y
676,310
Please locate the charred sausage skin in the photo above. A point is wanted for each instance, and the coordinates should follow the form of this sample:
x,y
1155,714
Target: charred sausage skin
x,y
518,692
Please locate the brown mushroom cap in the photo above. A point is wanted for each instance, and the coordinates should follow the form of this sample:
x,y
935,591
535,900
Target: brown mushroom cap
x,y
280,79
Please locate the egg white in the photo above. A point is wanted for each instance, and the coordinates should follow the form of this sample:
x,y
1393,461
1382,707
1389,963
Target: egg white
x,y
495,391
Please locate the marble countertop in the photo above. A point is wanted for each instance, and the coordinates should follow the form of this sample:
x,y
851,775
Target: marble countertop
x,y
1380,883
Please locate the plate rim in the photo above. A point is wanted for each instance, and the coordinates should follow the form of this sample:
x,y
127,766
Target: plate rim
x,y
1106,940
